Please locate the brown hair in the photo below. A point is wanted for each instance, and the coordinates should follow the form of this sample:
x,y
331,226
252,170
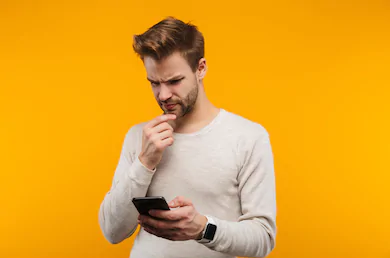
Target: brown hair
x,y
168,36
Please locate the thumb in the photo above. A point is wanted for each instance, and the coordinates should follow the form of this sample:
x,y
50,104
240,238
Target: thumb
x,y
179,202
172,123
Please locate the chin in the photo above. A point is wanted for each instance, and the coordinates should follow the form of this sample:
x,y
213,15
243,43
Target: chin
x,y
175,112
170,112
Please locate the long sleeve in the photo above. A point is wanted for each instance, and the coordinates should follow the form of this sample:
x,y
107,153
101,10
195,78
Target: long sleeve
x,y
254,233
117,214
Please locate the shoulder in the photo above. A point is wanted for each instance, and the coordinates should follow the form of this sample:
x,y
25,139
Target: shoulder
x,y
244,127
250,138
133,138
135,130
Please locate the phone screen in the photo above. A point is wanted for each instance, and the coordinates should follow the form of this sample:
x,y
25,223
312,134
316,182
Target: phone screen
x,y
144,204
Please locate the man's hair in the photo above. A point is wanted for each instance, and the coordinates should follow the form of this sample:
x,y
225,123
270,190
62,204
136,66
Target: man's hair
x,y
168,36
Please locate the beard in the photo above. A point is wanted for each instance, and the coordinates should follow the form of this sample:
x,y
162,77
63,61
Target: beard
x,y
186,105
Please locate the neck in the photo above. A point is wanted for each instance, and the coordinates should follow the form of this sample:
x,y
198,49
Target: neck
x,y
202,114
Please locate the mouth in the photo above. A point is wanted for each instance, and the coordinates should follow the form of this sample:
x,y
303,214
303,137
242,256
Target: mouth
x,y
170,106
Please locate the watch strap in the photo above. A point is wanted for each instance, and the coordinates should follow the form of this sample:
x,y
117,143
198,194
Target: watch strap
x,y
209,230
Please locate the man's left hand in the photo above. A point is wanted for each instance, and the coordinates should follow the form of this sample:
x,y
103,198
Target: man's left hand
x,y
182,223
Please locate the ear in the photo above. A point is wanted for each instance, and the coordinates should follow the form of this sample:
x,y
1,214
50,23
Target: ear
x,y
202,69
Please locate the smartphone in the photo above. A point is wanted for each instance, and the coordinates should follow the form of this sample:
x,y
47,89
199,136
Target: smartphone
x,y
144,204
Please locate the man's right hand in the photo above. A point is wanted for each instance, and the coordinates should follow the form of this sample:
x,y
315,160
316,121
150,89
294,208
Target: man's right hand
x,y
156,136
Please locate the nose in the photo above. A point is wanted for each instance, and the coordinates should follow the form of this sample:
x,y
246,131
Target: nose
x,y
164,93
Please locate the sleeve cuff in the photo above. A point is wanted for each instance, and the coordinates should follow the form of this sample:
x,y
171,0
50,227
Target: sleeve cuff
x,y
140,173
150,170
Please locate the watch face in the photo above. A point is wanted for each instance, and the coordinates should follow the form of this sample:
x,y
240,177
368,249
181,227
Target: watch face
x,y
210,231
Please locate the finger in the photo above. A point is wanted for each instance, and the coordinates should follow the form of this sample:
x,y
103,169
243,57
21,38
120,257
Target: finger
x,y
170,215
160,119
173,215
164,135
161,128
167,141
150,230
172,123
158,224
180,201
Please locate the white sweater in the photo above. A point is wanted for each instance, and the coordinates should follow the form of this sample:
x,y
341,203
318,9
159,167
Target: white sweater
x,y
226,169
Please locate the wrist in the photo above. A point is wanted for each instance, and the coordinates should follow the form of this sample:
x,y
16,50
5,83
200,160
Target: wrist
x,y
202,226
209,231
146,164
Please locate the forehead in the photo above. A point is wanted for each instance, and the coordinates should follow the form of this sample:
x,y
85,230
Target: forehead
x,y
170,66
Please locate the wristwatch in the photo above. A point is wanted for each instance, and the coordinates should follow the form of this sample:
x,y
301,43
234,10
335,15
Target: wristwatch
x,y
208,232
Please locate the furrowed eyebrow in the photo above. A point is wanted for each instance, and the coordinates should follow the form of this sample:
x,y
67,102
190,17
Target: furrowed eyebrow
x,y
151,80
174,78
178,77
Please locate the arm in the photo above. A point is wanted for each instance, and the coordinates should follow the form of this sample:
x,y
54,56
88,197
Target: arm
x,y
254,233
117,214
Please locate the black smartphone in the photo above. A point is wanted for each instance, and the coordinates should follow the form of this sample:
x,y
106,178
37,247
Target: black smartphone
x,y
144,204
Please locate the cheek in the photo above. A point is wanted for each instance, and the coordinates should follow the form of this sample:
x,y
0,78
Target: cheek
x,y
182,90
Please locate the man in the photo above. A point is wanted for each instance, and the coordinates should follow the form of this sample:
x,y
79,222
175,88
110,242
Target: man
x,y
214,167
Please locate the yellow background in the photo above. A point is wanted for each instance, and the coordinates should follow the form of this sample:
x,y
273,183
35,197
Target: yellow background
x,y
314,73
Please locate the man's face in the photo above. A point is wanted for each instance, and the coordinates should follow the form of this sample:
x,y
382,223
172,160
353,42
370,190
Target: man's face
x,y
174,84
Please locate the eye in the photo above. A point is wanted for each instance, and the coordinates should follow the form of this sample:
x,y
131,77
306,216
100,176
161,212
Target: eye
x,y
174,82
154,84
